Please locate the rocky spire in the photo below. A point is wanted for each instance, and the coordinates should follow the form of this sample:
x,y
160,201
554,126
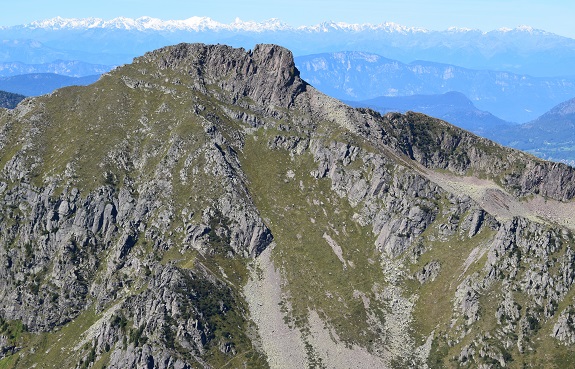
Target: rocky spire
x,y
267,74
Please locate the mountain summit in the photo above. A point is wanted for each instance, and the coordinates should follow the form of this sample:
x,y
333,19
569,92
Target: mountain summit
x,y
204,206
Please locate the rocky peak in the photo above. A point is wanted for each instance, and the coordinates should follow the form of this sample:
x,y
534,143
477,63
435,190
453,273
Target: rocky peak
x,y
560,118
563,109
267,74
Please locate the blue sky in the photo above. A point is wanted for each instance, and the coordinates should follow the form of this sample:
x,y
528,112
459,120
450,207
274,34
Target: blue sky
x,y
551,15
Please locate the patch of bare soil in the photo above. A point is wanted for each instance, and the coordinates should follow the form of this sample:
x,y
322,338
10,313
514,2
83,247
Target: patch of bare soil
x,y
502,205
336,354
283,346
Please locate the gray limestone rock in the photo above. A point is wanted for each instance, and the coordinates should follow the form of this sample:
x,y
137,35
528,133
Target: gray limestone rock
x,y
429,272
564,329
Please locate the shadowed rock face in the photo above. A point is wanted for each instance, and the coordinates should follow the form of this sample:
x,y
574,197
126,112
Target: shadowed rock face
x,y
186,207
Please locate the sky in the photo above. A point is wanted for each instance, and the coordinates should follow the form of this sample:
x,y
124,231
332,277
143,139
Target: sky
x,y
551,15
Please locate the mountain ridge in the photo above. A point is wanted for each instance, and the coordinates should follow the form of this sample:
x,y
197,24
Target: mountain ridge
x,y
186,208
274,24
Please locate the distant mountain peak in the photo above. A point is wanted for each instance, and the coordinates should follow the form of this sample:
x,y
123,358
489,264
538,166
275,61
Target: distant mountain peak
x,y
462,30
524,29
358,27
566,108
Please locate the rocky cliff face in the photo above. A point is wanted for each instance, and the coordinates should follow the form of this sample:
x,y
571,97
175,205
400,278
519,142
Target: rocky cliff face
x,y
205,207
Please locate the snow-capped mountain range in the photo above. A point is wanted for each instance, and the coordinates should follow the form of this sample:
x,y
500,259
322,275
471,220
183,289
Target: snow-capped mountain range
x,y
197,24
201,24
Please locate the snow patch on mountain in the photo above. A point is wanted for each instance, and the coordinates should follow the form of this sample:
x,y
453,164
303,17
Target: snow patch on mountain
x,y
148,23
